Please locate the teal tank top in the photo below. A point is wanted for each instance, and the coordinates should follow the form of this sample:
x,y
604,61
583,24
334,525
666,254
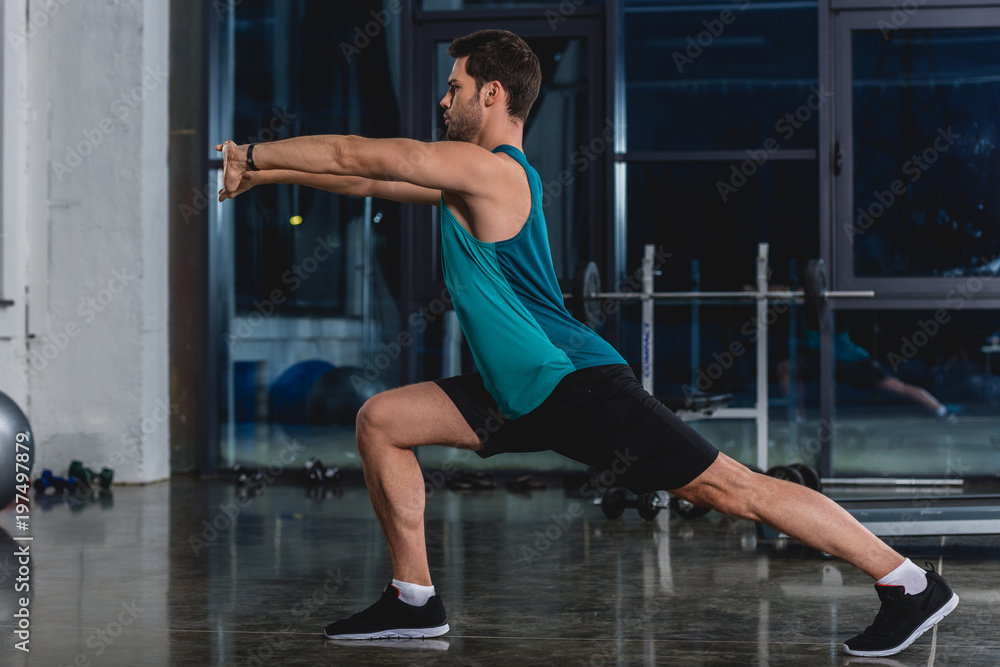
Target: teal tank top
x,y
508,301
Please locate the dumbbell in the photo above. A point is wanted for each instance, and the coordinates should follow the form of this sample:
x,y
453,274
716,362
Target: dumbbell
x,y
57,485
616,499
84,497
246,478
318,474
797,473
89,478
686,509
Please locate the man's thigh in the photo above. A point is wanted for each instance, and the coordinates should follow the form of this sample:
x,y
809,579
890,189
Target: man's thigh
x,y
619,427
415,415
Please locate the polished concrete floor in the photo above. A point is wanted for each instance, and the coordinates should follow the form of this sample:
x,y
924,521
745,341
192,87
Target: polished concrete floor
x,y
188,573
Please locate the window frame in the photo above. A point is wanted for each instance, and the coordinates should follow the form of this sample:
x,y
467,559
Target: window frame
x,y
890,292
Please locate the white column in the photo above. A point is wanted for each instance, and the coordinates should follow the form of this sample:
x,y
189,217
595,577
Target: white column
x,y
95,225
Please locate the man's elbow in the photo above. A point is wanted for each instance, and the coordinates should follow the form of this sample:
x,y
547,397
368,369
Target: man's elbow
x,y
344,152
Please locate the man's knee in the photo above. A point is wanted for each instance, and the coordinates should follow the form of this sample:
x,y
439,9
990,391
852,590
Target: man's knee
x,y
726,486
371,419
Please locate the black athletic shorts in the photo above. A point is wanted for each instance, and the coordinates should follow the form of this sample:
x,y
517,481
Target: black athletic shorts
x,y
599,416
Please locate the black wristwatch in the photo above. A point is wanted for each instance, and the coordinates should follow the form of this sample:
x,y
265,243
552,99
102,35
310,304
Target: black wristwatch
x,y
250,163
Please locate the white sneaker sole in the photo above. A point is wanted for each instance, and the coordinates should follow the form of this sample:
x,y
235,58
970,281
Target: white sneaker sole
x,y
927,625
398,633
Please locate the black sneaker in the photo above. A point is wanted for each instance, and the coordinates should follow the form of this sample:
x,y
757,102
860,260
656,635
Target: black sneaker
x,y
391,617
903,617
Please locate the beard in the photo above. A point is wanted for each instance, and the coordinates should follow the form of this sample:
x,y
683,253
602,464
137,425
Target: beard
x,y
465,125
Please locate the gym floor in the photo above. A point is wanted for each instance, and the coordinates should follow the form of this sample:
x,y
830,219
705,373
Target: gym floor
x,y
189,573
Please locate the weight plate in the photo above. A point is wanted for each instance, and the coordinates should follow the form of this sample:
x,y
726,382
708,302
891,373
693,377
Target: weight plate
x,y
686,509
648,505
613,503
809,476
813,287
787,473
586,281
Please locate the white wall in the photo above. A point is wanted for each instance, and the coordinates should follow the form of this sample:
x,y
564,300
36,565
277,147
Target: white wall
x,y
88,171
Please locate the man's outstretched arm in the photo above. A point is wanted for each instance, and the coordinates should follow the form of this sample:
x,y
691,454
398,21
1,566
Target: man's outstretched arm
x,y
354,186
453,166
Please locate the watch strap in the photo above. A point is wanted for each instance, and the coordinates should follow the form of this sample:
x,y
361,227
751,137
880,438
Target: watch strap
x,y
251,165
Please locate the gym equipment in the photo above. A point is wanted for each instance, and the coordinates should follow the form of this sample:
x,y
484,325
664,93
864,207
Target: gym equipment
x,y
696,406
814,285
585,301
471,480
317,474
586,280
17,446
85,497
89,478
318,393
648,505
247,480
525,485
797,473
586,297
957,515
686,509
787,473
49,484
809,476
927,515
917,516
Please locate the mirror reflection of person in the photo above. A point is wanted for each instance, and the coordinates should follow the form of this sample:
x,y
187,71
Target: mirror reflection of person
x,y
855,367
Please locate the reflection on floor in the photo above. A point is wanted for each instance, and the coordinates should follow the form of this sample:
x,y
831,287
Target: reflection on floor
x,y
189,573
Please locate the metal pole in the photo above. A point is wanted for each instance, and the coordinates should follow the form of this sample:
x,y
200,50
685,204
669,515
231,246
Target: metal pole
x,y
647,317
827,396
367,320
695,323
762,397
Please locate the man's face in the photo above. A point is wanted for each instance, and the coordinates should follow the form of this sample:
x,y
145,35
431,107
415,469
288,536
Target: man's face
x,y
463,115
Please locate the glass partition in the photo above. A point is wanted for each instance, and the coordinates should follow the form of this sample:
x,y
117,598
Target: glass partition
x,y
720,75
307,281
925,104
490,5
917,393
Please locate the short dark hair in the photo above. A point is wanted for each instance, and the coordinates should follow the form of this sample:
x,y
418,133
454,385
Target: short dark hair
x,y
500,55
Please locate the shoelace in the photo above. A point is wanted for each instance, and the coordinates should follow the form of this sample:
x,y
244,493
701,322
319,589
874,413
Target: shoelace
x,y
365,612
885,616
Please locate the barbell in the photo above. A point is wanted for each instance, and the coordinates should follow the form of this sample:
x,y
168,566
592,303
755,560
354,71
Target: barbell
x,y
585,300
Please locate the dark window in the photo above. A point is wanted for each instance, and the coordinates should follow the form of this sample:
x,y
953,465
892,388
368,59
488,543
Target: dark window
x,y
720,76
300,71
925,107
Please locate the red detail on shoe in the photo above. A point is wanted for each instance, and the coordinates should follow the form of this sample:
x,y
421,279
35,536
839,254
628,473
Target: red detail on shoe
x,y
398,592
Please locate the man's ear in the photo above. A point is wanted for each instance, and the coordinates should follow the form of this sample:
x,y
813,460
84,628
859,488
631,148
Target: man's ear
x,y
492,92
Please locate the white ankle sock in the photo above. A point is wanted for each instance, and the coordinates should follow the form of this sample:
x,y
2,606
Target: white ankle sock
x,y
910,576
413,594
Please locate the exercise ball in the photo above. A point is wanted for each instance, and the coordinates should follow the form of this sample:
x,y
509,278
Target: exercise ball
x,y
290,392
338,394
14,430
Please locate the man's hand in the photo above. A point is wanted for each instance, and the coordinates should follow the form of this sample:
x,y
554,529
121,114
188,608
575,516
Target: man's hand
x,y
236,179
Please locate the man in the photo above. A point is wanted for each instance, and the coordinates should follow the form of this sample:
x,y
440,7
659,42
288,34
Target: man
x,y
545,381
